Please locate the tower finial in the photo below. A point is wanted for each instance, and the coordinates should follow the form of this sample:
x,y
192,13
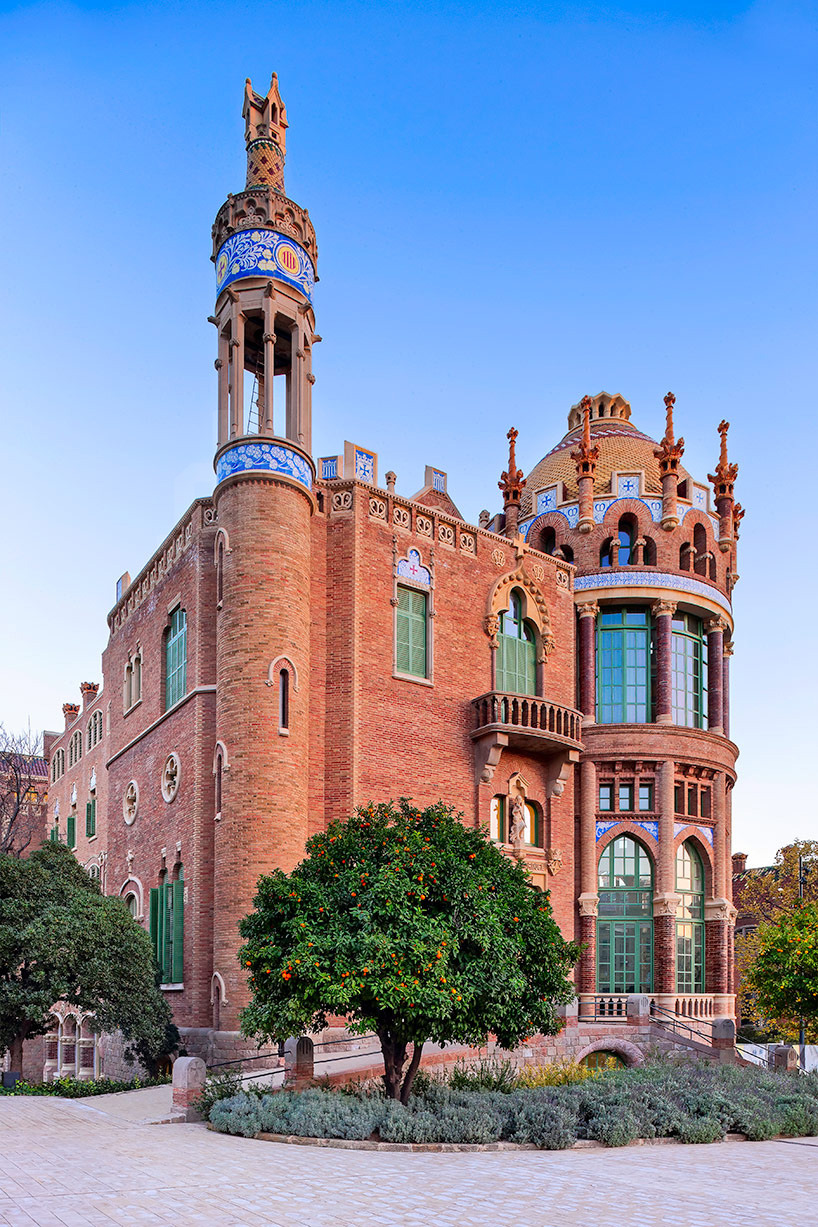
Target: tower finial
x,y
265,133
585,457
669,453
726,473
512,483
670,401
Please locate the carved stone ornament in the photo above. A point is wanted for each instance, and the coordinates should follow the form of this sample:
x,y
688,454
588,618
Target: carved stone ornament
x,y
720,909
130,803
342,500
717,624
588,609
553,860
170,777
493,628
538,572
468,544
424,526
588,905
517,830
377,509
210,515
445,534
498,558
401,517
665,904
563,579
662,609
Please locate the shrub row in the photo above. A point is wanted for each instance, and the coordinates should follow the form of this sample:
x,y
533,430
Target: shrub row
x,y
691,1102
75,1088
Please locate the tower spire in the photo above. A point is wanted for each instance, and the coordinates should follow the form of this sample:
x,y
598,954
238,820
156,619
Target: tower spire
x,y
265,134
723,484
669,453
512,484
586,458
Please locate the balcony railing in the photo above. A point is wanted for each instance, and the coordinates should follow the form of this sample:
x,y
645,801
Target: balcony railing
x,y
529,721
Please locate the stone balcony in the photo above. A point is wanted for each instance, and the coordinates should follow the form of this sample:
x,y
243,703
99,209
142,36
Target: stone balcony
x,y
529,723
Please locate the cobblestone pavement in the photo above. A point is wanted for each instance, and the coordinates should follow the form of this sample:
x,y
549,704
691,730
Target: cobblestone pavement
x,y
65,1164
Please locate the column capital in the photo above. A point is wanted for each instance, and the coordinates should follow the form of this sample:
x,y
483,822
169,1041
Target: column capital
x,y
720,909
588,609
665,903
716,624
727,649
588,905
663,609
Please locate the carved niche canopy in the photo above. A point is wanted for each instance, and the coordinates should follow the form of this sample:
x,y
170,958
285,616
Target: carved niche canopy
x,y
534,607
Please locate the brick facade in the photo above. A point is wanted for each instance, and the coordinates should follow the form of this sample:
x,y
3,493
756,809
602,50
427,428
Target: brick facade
x,y
288,579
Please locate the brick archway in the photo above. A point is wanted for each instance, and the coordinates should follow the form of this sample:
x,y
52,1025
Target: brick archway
x,y
629,1053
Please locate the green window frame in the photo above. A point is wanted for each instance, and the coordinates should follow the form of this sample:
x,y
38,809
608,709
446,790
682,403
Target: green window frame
x,y
533,826
606,798
167,928
645,797
91,818
624,954
516,651
176,658
688,671
71,830
690,943
623,666
411,632
54,834
626,798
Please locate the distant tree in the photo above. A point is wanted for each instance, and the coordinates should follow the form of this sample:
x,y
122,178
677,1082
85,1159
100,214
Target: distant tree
x,y
62,940
765,896
22,791
783,973
412,926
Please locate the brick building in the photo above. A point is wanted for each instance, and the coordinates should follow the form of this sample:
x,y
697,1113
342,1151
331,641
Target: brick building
x,y
307,639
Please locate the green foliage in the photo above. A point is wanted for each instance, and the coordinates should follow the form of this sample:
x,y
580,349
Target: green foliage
x,y
490,1074
694,1103
783,975
410,925
62,940
76,1088
224,1084
560,1073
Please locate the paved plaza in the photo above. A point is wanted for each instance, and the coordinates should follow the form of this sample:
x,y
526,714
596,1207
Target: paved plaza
x,y
68,1164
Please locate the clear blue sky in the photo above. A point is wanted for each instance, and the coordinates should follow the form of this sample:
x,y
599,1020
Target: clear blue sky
x,y
516,204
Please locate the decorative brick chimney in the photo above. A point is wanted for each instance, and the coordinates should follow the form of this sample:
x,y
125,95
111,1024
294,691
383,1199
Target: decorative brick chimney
x,y
739,862
89,691
70,711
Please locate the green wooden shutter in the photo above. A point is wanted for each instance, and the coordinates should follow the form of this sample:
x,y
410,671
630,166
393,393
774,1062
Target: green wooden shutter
x,y
410,633
153,924
71,833
178,937
91,818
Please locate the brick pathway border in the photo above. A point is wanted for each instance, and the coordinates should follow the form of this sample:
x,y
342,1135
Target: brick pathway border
x,y
459,1147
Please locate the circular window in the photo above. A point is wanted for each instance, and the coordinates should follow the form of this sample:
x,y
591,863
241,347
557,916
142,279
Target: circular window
x,y
170,777
130,803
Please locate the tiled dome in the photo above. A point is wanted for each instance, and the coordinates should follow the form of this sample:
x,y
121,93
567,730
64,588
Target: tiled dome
x,y
622,449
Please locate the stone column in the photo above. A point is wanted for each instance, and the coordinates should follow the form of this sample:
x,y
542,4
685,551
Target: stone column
x,y
665,899
725,688
663,612
267,417
587,660
589,897
237,376
222,368
718,908
715,673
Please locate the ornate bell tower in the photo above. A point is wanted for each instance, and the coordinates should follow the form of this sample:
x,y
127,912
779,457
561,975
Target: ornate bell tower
x,y
264,251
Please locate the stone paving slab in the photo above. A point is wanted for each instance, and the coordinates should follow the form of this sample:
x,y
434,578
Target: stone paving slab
x,y
64,1166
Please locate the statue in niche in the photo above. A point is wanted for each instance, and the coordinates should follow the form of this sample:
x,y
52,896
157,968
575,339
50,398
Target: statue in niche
x,y
517,830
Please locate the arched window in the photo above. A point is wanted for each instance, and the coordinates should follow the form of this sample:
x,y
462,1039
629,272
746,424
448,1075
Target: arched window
x,y
58,764
75,748
689,921
217,782
284,701
649,552
176,658
627,539
623,666
684,556
532,832
624,938
700,546
605,553
132,904
497,819
220,572
567,553
516,651
548,541
167,925
94,732
136,677
689,671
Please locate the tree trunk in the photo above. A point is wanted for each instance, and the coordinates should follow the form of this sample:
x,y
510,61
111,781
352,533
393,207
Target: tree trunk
x,y
16,1054
414,1066
394,1059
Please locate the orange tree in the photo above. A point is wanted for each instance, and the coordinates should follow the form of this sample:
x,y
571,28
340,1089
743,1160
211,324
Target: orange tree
x,y
409,925
783,975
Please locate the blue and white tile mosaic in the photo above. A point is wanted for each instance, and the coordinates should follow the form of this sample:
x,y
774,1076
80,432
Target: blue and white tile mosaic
x,y
627,487
438,481
547,500
570,512
263,457
412,568
648,825
651,827
264,253
364,465
651,579
329,468
602,828
706,832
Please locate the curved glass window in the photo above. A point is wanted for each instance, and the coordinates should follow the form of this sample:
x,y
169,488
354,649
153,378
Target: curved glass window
x,y
623,667
689,921
516,651
689,671
624,935
627,537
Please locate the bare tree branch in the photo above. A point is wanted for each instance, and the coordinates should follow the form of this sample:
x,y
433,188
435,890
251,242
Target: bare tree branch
x,y
23,791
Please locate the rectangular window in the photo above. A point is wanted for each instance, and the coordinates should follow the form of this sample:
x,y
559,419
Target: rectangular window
x,y
91,818
623,667
497,819
679,798
606,797
626,798
71,831
410,632
689,672
646,797
176,658
693,800
704,802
